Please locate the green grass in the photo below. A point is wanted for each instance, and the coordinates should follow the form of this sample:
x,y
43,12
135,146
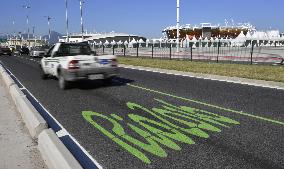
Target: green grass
x,y
259,72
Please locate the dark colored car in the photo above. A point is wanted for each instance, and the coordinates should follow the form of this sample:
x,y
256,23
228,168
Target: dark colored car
x,y
24,51
5,51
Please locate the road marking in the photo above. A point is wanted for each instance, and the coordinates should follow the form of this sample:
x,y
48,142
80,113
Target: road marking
x,y
62,133
170,126
209,105
208,78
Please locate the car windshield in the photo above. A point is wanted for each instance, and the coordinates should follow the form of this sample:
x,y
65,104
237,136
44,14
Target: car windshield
x,y
74,49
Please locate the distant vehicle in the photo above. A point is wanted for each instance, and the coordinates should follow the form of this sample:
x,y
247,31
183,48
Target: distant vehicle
x,y
17,49
74,61
12,48
38,51
5,51
24,51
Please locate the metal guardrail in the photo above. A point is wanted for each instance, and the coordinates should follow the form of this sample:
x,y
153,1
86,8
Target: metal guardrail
x,y
214,52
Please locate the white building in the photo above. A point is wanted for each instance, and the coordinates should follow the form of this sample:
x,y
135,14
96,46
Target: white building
x,y
102,38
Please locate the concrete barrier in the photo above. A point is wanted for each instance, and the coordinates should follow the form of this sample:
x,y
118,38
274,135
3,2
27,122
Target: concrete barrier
x,y
54,153
33,120
15,92
7,79
2,70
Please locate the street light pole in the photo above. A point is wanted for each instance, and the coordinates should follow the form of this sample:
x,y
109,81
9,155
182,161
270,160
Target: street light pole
x,y
28,7
66,15
28,29
33,31
14,32
177,25
48,23
81,10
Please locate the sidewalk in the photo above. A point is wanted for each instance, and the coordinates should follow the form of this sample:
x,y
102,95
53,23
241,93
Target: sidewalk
x,y
17,149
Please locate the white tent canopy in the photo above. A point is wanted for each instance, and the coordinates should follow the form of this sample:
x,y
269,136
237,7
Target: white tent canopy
x,y
106,42
125,42
119,42
141,41
113,42
133,41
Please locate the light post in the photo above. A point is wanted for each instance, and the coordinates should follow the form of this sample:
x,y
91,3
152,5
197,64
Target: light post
x,y
81,11
66,15
27,7
14,28
21,41
33,31
34,35
177,25
48,23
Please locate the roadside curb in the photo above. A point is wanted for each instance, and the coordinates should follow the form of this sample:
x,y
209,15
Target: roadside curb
x,y
34,122
236,80
7,80
52,150
54,153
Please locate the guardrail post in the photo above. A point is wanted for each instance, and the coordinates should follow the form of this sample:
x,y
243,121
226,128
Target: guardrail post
x,y
112,49
191,52
251,53
218,52
170,52
152,51
137,49
124,49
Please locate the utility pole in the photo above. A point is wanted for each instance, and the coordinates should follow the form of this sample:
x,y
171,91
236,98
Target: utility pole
x,y
14,32
27,7
81,11
66,15
48,23
34,35
33,31
177,25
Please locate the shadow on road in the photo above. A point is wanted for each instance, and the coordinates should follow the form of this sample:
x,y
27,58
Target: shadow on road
x,y
94,84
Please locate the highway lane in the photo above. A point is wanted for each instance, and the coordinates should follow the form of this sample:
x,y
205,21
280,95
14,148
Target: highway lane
x,y
162,111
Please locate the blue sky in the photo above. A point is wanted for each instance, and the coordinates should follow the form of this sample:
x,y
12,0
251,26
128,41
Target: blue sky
x,y
142,17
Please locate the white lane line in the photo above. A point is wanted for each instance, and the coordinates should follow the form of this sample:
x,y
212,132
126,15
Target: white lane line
x,y
208,78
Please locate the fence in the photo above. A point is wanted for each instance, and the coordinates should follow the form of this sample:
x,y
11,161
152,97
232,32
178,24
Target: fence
x,y
252,52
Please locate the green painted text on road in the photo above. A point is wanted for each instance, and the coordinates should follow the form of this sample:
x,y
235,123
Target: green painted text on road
x,y
168,127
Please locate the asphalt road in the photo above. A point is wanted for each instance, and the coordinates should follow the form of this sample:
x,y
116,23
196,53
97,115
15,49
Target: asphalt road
x,y
152,120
